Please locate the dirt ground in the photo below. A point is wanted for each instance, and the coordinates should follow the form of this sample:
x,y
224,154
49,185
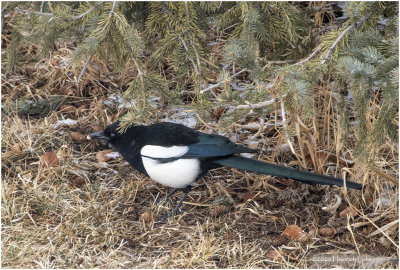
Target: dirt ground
x,y
80,212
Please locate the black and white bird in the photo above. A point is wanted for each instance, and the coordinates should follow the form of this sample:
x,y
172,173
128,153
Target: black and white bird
x,y
176,156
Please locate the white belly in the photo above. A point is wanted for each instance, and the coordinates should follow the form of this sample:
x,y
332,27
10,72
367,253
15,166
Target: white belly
x,y
175,174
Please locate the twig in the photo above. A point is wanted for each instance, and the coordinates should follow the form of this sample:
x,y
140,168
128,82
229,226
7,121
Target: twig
x,y
341,36
256,126
384,228
202,121
33,12
352,234
310,56
84,68
285,128
388,177
52,15
260,129
181,39
4,8
218,84
113,13
113,7
190,58
332,208
228,196
190,35
379,229
87,12
2,14
282,62
261,104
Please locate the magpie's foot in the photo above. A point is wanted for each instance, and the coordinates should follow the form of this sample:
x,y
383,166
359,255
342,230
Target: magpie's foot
x,y
159,200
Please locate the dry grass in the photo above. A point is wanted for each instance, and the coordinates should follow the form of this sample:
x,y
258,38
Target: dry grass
x,y
49,220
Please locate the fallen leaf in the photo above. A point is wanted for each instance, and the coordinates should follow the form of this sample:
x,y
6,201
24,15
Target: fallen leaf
x,y
327,231
17,148
102,156
245,196
351,211
219,210
78,182
279,241
293,232
274,255
147,217
78,137
49,159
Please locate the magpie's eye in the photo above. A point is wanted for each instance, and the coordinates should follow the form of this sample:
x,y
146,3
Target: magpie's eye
x,y
112,135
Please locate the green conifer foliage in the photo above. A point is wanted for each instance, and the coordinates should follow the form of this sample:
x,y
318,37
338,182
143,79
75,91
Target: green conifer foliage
x,y
295,51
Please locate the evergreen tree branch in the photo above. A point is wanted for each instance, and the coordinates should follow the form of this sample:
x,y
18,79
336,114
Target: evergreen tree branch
x,y
285,128
190,35
218,84
84,68
310,56
190,58
33,12
52,15
180,38
4,8
342,35
113,7
124,23
2,14
282,62
87,12
260,104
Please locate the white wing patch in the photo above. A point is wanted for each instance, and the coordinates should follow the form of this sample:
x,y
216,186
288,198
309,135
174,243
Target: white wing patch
x,y
156,151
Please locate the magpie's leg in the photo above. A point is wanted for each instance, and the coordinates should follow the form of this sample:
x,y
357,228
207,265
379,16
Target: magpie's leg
x,y
186,191
172,192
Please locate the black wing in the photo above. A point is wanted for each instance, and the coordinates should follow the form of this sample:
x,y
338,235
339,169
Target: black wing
x,y
208,146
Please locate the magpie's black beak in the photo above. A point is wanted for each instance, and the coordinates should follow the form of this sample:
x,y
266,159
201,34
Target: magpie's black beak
x,y
98,135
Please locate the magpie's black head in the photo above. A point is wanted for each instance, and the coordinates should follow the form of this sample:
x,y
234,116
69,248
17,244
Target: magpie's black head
x,y
109,134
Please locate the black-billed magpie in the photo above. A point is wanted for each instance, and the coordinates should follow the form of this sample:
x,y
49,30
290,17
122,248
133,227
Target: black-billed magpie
x,y
176,156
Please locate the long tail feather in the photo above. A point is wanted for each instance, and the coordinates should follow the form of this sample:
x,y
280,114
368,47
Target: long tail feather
x,y
243,163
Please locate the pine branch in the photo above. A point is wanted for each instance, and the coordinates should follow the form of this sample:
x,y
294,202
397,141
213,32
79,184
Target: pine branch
x,y
285,128
113,13
4,8
282,62
218,84
180,38
260,104
52,15
190,58
342,35
190,35
84,68
33,12
309,57
87,12
113,7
